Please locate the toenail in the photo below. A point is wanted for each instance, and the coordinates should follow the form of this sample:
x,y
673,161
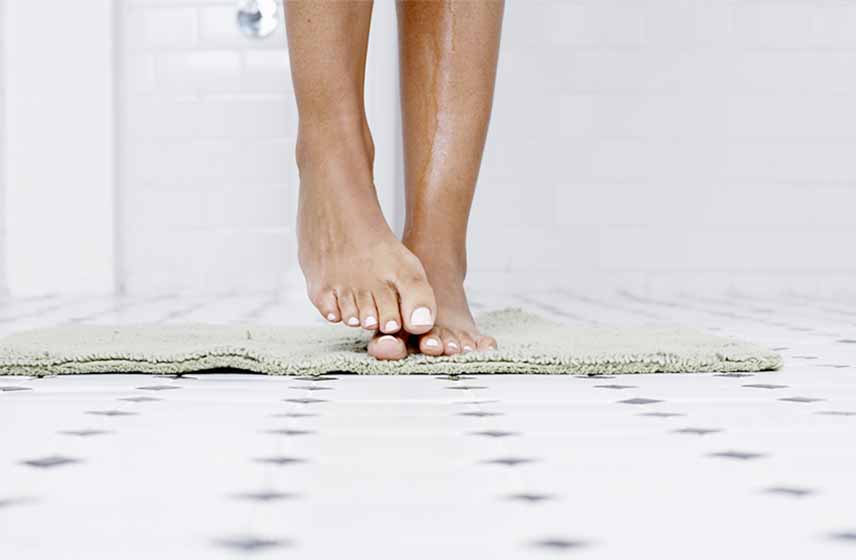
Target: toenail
x,y
432,343
387,338
391,326
353,321
453,345
331,317
468,348
370,321
421,317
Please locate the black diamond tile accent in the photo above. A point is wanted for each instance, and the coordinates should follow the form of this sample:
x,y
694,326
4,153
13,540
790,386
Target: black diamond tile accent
x,y
837,412
50,461
140,399
110,413
698,431
288,432
801,399
847,536
311,388
509,461
85,433
616,386
316,378
639,401
11,502
466,387
737,455
280,460
661,414
265,496
479,413
494,433
12,388
293,415
559,544
453,377
159,387
765,386
791,491
306,400
251,543
530,498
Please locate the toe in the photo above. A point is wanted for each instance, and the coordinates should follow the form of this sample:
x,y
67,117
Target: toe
x,y
418,307
368,312
467,343
325,302
431,343
451,344
389,320
348,308
484,343
387,347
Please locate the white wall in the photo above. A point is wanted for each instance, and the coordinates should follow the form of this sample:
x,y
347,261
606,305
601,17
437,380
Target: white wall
x,y
2,154
58,160
676,141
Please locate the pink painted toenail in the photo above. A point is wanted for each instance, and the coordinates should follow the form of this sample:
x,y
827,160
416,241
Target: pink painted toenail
x,y
468,348
391,326
331,317
453,345
370,321
421,317
432,343
387,338
353,321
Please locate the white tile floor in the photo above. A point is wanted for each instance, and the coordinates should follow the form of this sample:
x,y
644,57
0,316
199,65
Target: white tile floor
x,y
231,465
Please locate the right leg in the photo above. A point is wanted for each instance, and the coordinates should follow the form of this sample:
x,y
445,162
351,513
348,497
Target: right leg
x,y
356,270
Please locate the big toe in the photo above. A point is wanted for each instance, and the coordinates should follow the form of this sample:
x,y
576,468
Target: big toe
x,y
418,306
387,347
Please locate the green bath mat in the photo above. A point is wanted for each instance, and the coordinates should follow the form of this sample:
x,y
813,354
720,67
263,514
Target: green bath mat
x,y
527,344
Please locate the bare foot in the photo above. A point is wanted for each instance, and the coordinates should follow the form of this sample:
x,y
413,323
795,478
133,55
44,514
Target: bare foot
x,y
455,330
356,270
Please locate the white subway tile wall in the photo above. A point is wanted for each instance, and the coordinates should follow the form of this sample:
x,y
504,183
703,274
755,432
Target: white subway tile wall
x,y
672,140
677,141
207,173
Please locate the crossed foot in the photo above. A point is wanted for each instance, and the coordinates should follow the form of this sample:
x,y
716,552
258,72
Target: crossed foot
x,y
357,272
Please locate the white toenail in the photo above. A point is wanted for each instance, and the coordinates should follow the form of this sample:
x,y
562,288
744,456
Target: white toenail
x,y
331,317
432,343
452,345
391,326
468,348
387,337
370,321
353,321
421,317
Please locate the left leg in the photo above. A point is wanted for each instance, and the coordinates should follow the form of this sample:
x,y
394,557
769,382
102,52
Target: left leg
x,y
449,52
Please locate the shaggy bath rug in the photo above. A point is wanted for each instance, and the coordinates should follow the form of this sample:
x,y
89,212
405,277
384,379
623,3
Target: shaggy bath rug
x,y
527,344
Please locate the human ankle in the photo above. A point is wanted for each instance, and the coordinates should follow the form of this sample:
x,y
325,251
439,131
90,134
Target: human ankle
x,y
321,137
439,253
